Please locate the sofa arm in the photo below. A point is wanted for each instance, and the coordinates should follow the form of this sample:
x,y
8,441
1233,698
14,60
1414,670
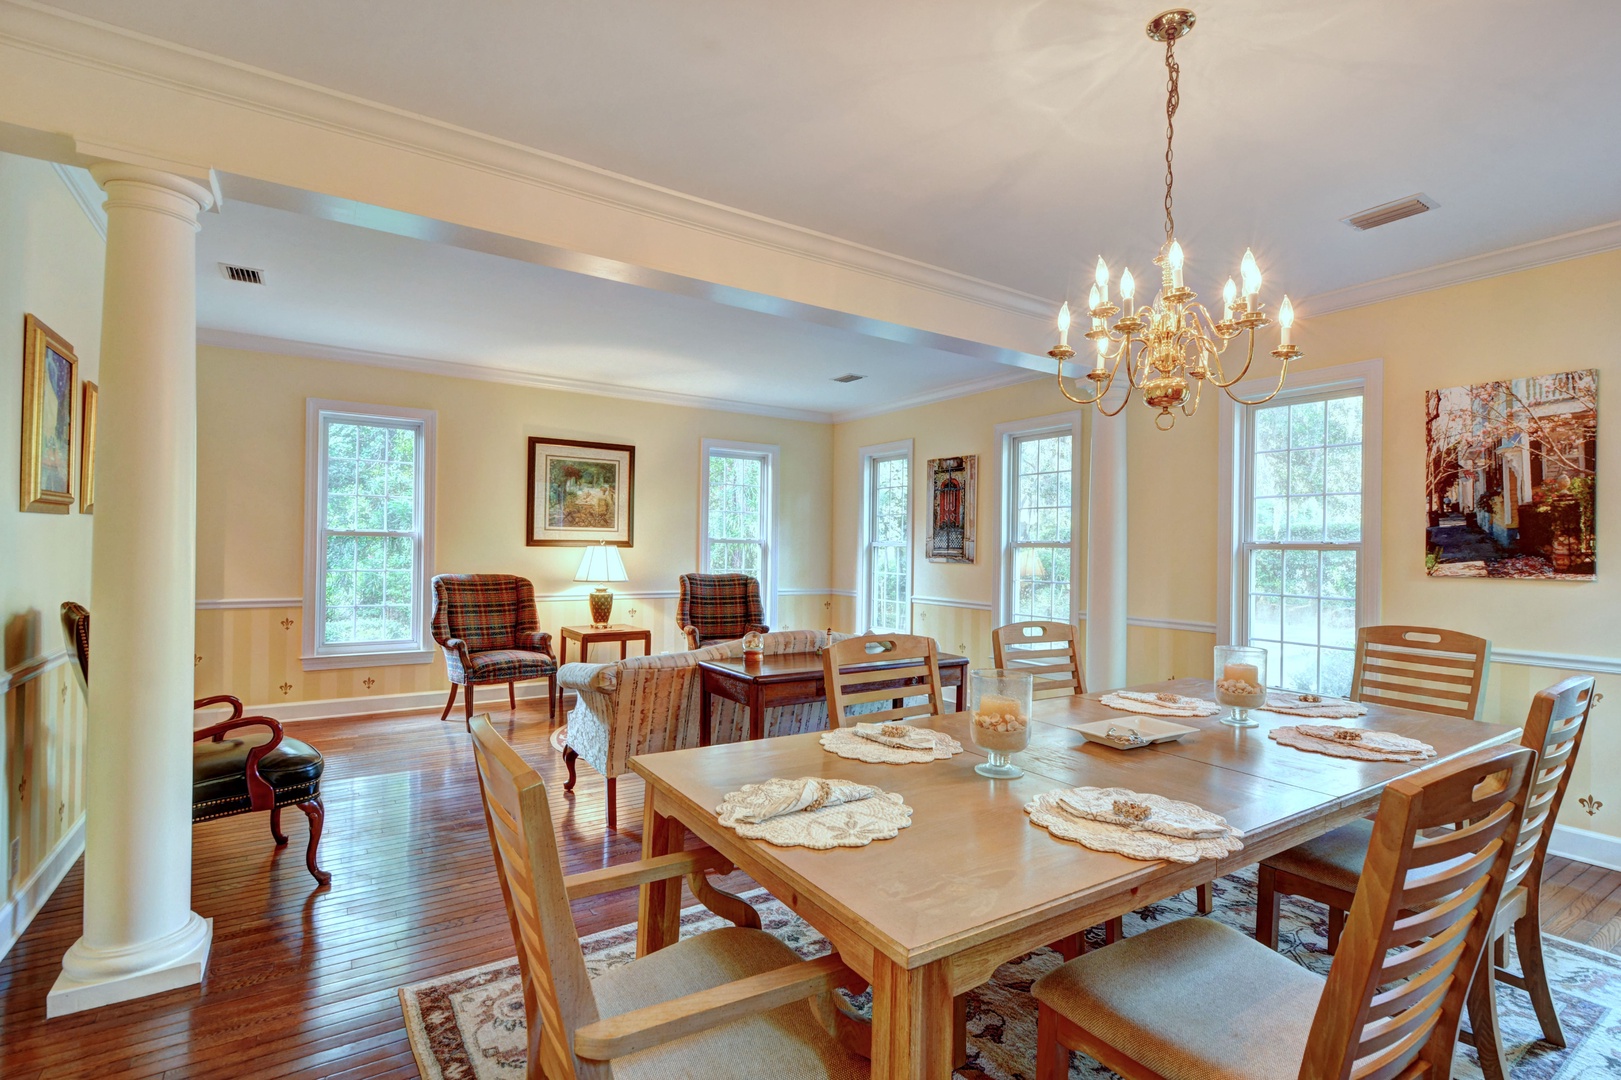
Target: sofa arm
x,y
602,678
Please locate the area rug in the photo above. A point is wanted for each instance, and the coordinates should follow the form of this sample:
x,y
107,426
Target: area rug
x,y
469,1025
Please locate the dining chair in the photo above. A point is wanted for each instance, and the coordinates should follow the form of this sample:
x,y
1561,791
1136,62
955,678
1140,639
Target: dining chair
x,y
1044,649
1327,870
1193,999
732,1002
1421,667
911,670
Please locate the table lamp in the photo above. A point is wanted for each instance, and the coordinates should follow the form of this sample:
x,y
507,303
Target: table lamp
x,y
601,563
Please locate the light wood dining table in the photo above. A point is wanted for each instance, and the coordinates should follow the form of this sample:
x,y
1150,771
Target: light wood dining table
x,y
971,883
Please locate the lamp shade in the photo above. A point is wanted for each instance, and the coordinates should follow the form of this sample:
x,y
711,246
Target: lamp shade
x,y
601,563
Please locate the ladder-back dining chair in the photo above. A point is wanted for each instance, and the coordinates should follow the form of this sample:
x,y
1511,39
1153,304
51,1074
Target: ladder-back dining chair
x,y
910,669
1195,999
732,1002
1046,650
1421,667
1328,868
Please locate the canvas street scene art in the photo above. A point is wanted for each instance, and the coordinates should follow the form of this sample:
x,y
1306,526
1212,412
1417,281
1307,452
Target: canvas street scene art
x,y
1510,478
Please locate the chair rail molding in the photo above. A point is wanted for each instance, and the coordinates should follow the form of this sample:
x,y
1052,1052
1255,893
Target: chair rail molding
x,y
1585,665
943,601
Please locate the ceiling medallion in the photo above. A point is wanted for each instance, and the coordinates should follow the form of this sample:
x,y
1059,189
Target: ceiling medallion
x,y
1171,347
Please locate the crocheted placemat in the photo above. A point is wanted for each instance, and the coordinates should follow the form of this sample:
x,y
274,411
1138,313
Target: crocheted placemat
x,y
1159,704
1135,841
1364,746
1279,701
823,823
847,744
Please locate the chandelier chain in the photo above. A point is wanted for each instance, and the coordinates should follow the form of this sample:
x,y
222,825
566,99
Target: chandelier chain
x,y
1173,98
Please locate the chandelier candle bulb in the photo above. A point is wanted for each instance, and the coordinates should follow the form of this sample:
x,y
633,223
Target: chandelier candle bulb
x,y
1286,320
1251,272
1175,259
1103,345
1128,287
1063,324
1229,293
1102,277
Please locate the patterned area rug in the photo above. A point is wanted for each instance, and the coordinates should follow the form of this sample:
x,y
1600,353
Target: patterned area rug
x,y
470,1025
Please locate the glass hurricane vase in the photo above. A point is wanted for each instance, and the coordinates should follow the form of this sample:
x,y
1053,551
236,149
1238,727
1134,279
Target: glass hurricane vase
x,y
1240,682
999,704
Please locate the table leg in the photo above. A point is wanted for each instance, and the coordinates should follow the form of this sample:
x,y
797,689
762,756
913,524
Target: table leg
x,y
706,709
624,648
563,658
913,1022
658,916
756,711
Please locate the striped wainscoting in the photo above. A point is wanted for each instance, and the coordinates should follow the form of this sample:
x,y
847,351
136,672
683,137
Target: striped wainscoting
x,y
957,626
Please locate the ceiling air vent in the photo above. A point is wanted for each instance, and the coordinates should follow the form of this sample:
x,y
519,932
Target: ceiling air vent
x,y
247,275
1390,211
851,377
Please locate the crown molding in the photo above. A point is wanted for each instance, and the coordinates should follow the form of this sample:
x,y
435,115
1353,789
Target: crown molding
x,y
82,186
1552,249
456,369
36,27
944,393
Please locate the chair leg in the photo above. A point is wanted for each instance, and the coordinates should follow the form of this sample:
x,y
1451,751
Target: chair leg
x,y
1528,943
1336,927
613,804
512,696
1266,907
569,754
1206,897
451,704
317,814
1483,1020
1070,946
467,698
1052,1056
551,697
275,826
1114,930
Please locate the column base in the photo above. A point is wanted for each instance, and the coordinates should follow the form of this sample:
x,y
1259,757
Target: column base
x,y
93,977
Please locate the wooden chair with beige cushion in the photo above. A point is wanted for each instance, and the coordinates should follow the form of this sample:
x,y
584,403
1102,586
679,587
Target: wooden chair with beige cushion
x,y
732,1002
1328,868
1044,649
911,671
1421,667
1194,999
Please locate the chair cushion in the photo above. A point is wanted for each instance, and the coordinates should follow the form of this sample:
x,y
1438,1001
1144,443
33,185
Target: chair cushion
x,y
219,782
1334,858
510,665
788,1041
1191,1000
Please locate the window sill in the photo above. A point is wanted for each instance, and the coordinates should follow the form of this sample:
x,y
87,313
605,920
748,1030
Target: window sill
x,y
331,661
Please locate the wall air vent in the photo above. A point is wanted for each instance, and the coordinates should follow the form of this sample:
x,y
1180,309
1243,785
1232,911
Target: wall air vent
x,y
851,377
1390,211
247,275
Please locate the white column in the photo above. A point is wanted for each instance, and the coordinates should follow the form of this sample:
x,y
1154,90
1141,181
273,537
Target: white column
x,y
1106,542
140,935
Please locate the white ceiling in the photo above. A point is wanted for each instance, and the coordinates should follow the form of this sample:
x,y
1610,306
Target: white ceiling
x,y
354,293
1013,139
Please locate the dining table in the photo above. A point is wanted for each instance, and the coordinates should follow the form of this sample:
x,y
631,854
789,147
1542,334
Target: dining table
x,y
972,883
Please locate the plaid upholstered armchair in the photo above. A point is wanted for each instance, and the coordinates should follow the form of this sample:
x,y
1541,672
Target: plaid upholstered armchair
x,y
719,607
487,626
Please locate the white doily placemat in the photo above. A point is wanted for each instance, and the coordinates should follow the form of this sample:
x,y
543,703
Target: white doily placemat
x,y
1139,701
866,814
1282,701
1369,746
1049,810
847,744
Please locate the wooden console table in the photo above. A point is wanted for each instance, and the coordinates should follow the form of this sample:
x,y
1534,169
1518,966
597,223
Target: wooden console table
x,y
587,636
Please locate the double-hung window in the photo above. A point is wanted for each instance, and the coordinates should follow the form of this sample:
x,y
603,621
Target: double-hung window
x,y
368,548
1038,549
1306,524
886,537
737,530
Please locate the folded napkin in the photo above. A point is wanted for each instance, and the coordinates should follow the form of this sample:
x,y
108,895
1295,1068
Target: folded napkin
x,y
1161,704
777,797
1382,742
1147,813
907,738
1324,708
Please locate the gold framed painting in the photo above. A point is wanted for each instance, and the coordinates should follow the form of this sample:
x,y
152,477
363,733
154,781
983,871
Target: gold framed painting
x,y
50,374
87,451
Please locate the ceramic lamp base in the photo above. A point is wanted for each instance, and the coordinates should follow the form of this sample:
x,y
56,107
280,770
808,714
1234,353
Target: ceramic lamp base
x,y
602,606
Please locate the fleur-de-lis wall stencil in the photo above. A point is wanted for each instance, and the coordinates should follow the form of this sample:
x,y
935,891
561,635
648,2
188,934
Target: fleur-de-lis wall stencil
x,y
827,605
1590,804
287,624
286,688
368,682
631,612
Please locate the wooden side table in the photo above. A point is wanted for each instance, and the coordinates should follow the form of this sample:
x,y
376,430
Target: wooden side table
x,y
587,636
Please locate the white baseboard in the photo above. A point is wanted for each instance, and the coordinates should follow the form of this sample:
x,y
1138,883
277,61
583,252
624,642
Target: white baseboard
x,y
1585,845
328,708
30,897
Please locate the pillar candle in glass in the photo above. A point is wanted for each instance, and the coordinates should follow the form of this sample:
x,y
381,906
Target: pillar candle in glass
x,y
1240,682
999,704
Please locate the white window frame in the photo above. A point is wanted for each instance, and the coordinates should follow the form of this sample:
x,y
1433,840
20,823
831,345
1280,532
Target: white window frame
x,y
1234,486
770,454
1064,423
870,456
316,654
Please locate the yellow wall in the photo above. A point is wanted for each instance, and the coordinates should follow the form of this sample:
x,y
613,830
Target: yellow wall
x,y
250,512
51,266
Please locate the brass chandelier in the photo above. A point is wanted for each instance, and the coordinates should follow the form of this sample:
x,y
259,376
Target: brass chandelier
x,y
1173,346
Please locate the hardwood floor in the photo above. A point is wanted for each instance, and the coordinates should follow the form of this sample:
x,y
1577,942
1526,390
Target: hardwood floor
x,y
302,982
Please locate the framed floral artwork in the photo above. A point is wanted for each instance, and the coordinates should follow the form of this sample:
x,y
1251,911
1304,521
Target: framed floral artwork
x,y
580,493
50,381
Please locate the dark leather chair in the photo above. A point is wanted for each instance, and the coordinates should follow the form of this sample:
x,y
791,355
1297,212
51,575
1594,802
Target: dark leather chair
x,y
239,775
719,607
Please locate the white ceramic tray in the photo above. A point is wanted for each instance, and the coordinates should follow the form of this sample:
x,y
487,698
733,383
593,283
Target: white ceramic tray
x,y
1151,728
